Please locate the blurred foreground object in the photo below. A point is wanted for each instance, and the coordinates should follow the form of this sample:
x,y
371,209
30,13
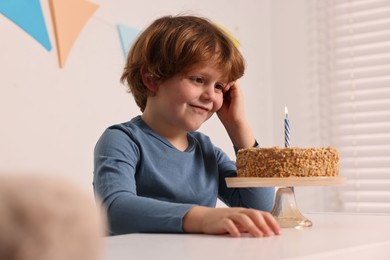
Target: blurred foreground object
x,y
45,218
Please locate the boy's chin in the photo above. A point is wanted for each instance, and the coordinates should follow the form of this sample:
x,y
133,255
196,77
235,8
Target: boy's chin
x,y
193,129
196,125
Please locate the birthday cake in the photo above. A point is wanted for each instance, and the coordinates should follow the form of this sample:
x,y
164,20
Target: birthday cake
x,y
287,162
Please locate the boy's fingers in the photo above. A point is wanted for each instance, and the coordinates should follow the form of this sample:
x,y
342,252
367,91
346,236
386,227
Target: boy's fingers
x,y
231,228
247,224
272,223
264,221
260,221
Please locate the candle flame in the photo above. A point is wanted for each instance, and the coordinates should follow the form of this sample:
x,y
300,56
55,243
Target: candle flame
x,y
286,111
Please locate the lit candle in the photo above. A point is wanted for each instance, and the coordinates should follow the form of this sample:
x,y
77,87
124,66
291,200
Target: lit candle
x,y
286,129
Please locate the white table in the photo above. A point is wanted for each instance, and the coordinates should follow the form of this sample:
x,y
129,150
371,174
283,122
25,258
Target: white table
x,y
333,236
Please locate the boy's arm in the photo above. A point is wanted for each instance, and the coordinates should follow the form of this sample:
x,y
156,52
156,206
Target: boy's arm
x,y
115,185
234,220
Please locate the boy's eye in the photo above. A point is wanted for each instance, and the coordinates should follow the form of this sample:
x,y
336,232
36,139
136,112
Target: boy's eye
x,y
199,80
219,87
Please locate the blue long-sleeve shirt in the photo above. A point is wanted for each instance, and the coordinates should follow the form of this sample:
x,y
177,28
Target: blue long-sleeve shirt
x,y
147,185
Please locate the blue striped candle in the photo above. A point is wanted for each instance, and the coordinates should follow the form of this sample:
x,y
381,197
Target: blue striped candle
x,y
286,129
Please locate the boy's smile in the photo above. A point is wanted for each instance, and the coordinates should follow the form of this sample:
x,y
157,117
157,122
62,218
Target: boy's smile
x,y
200,109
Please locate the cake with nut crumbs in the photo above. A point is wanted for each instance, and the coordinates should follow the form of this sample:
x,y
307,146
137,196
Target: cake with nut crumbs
x,y
287,162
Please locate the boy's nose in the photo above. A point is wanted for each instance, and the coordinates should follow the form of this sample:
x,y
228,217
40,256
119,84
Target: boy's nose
x,y
209,92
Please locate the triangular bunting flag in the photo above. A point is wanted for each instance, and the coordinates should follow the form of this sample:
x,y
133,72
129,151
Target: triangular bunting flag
x,y
69,17
28,16
127,36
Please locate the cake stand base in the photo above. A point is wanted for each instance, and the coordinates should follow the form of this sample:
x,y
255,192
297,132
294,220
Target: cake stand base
x,y
285,209
286,212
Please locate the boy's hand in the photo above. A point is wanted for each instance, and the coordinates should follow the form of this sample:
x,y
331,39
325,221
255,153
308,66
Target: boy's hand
x,y
233,221
232,110
232,116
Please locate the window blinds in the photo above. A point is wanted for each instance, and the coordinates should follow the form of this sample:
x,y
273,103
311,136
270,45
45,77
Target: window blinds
x,y
353,70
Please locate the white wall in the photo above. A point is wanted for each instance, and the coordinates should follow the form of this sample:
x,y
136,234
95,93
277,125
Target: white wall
x,y
51,118
292,63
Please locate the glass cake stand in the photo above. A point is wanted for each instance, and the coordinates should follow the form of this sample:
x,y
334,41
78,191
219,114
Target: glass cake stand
x,y
285,208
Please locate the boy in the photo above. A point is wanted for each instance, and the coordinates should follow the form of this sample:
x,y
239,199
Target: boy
x,y
155,173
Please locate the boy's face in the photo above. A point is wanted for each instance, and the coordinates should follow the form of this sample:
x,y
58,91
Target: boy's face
x,y
186,101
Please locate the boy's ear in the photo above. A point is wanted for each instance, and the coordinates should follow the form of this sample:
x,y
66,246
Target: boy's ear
x,y
149,81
